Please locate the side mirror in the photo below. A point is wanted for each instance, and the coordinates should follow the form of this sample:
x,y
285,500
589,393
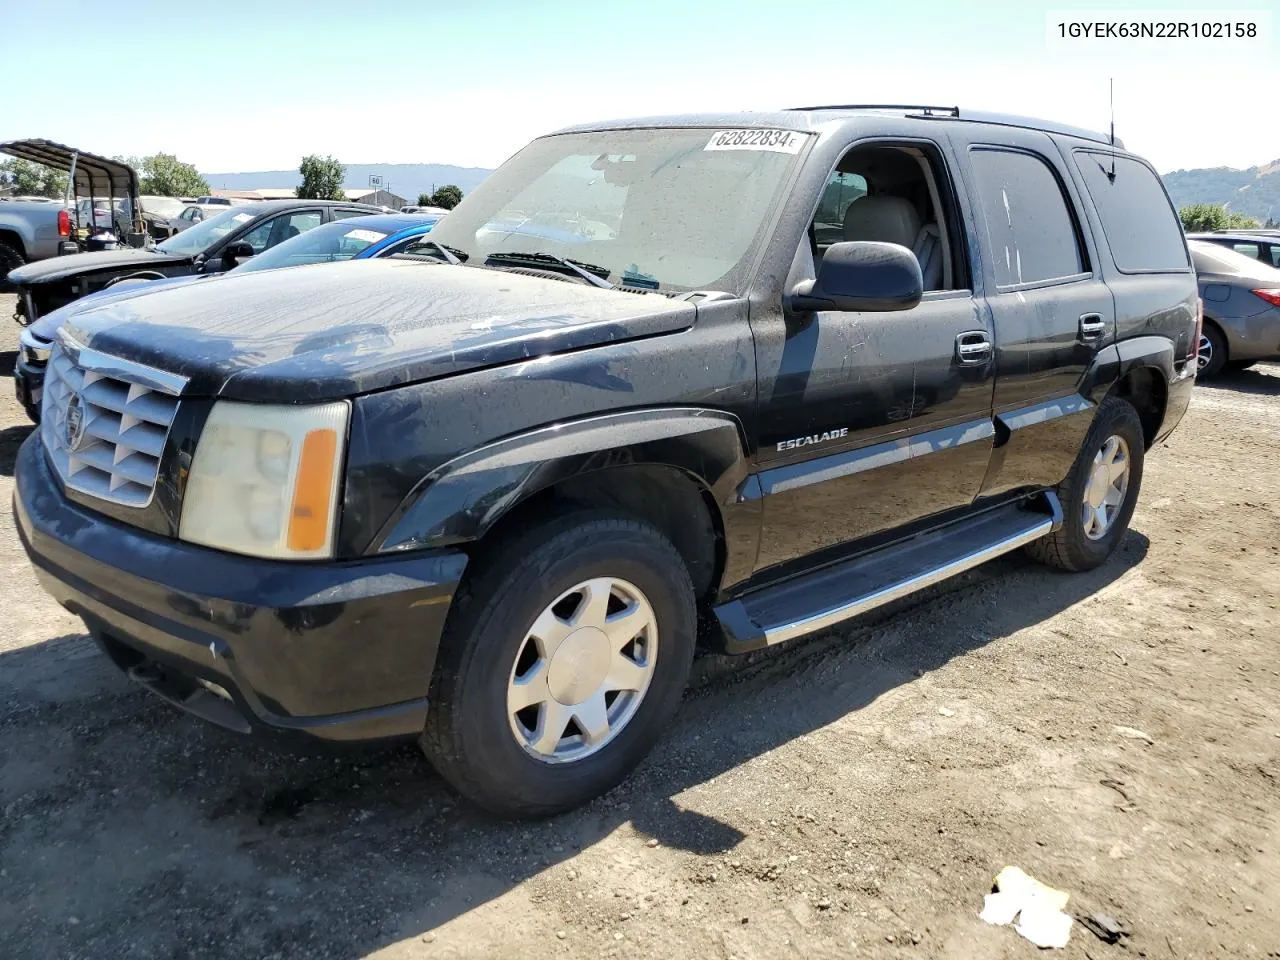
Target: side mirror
x,y
861,275
236,253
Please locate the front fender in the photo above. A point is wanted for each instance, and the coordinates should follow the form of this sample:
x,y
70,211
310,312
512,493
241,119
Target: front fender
x,y
461,499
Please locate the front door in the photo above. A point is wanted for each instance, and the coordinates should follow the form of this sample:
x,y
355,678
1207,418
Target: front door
x,y
869,421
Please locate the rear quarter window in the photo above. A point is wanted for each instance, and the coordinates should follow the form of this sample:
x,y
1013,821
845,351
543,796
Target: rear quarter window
x,y
1138,221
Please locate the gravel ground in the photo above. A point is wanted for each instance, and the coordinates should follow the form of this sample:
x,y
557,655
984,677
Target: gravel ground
x,y
849,796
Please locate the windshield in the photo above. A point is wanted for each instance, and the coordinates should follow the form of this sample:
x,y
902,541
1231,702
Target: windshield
x,y
669,209
203,235
333,241
1212,258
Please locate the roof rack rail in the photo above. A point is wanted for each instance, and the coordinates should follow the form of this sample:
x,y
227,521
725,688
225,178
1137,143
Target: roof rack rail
x,y
951,111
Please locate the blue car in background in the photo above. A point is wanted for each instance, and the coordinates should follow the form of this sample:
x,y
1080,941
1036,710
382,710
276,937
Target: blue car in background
x,y
352,238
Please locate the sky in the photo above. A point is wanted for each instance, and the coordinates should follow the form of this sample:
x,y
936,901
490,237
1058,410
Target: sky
x,y
237,86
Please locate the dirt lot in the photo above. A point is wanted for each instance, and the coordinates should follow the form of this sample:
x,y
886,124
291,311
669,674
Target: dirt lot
x,y
851,796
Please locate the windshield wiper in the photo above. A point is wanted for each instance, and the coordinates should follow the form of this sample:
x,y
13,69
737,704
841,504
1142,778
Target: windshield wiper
x,y
453,256
587,271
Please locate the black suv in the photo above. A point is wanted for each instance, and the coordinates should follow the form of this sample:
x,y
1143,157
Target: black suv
x,y
771,369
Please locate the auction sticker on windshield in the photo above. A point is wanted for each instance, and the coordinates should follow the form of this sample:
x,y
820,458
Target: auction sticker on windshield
x,y
779,141
368,236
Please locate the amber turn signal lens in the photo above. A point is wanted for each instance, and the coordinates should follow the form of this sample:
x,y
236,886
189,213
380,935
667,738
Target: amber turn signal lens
x,y
313,491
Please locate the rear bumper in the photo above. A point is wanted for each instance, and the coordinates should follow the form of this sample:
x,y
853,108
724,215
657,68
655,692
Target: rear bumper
x,y
341,651
1254,338
1181,389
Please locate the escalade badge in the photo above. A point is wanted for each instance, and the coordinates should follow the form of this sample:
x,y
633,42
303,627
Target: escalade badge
x,y
74,424
816,438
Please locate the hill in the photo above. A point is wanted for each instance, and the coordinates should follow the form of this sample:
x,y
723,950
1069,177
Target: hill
x,y
404,179
1254,192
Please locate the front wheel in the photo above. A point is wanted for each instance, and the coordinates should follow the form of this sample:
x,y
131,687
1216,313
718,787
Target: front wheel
x,y
1100,492
566,654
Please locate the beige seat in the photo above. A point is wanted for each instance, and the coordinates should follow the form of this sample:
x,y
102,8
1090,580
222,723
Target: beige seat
x,y
888,219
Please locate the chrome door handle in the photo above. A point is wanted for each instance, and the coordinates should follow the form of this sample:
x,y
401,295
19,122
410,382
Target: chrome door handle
x,y
973,347
1092,326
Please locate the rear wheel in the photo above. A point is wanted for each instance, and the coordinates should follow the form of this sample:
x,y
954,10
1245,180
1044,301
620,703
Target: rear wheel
x,y
1100,492
10,259
1213,352
566,654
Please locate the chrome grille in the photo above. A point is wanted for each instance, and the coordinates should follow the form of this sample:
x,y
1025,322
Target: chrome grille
x,y
104,421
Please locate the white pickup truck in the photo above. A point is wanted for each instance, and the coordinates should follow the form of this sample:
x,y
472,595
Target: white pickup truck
x,y
30,229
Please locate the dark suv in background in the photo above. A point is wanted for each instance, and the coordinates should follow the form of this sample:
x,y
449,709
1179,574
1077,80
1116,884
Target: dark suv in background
x,y
781,368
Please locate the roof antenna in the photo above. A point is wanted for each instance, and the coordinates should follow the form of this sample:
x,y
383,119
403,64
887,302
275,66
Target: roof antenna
x,y
1112,174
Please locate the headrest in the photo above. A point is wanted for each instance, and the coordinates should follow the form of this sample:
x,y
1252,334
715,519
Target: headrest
x,y
883,218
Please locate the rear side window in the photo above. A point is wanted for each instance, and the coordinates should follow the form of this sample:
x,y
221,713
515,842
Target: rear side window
x,y
1033,234
1139,223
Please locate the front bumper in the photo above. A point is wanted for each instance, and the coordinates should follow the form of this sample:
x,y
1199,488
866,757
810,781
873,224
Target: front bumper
x,y
28,385
341,650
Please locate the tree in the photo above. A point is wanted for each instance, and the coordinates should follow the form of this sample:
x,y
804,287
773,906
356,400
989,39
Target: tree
x,y
33,179
448,197
424,199
1205,217
1202,217
321,178
164,175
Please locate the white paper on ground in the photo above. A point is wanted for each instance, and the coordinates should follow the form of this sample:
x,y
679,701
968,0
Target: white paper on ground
x,y
1037,907
1000,908
1044,925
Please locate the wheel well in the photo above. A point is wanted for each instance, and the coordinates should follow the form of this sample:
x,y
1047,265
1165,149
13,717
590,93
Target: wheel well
x,y
11,239
665,497
1144,387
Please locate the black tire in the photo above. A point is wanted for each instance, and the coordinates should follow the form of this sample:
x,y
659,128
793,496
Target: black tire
x,y
468,736
33,412
10,259
1217,346
1070,548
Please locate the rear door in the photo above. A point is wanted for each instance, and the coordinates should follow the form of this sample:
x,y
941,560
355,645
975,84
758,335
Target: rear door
x,y
1051,307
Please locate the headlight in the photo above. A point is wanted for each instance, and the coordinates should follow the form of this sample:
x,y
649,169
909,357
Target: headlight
x,y
264,479
34,349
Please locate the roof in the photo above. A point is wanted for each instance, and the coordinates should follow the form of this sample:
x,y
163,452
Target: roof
x,y
806,119
95,175
1235,236
391,222
263,193
256,207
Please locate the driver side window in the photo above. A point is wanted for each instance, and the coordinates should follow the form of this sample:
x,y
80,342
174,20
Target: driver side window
x,y
899,194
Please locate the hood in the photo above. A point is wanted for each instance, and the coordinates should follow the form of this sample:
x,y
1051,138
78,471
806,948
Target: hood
x,y
334,330
73,264
46,326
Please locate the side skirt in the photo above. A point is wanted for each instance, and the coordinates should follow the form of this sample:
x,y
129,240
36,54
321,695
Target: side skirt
x,y
819,600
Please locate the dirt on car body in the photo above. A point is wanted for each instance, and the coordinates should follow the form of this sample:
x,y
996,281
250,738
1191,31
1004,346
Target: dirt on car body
x,y
852,795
